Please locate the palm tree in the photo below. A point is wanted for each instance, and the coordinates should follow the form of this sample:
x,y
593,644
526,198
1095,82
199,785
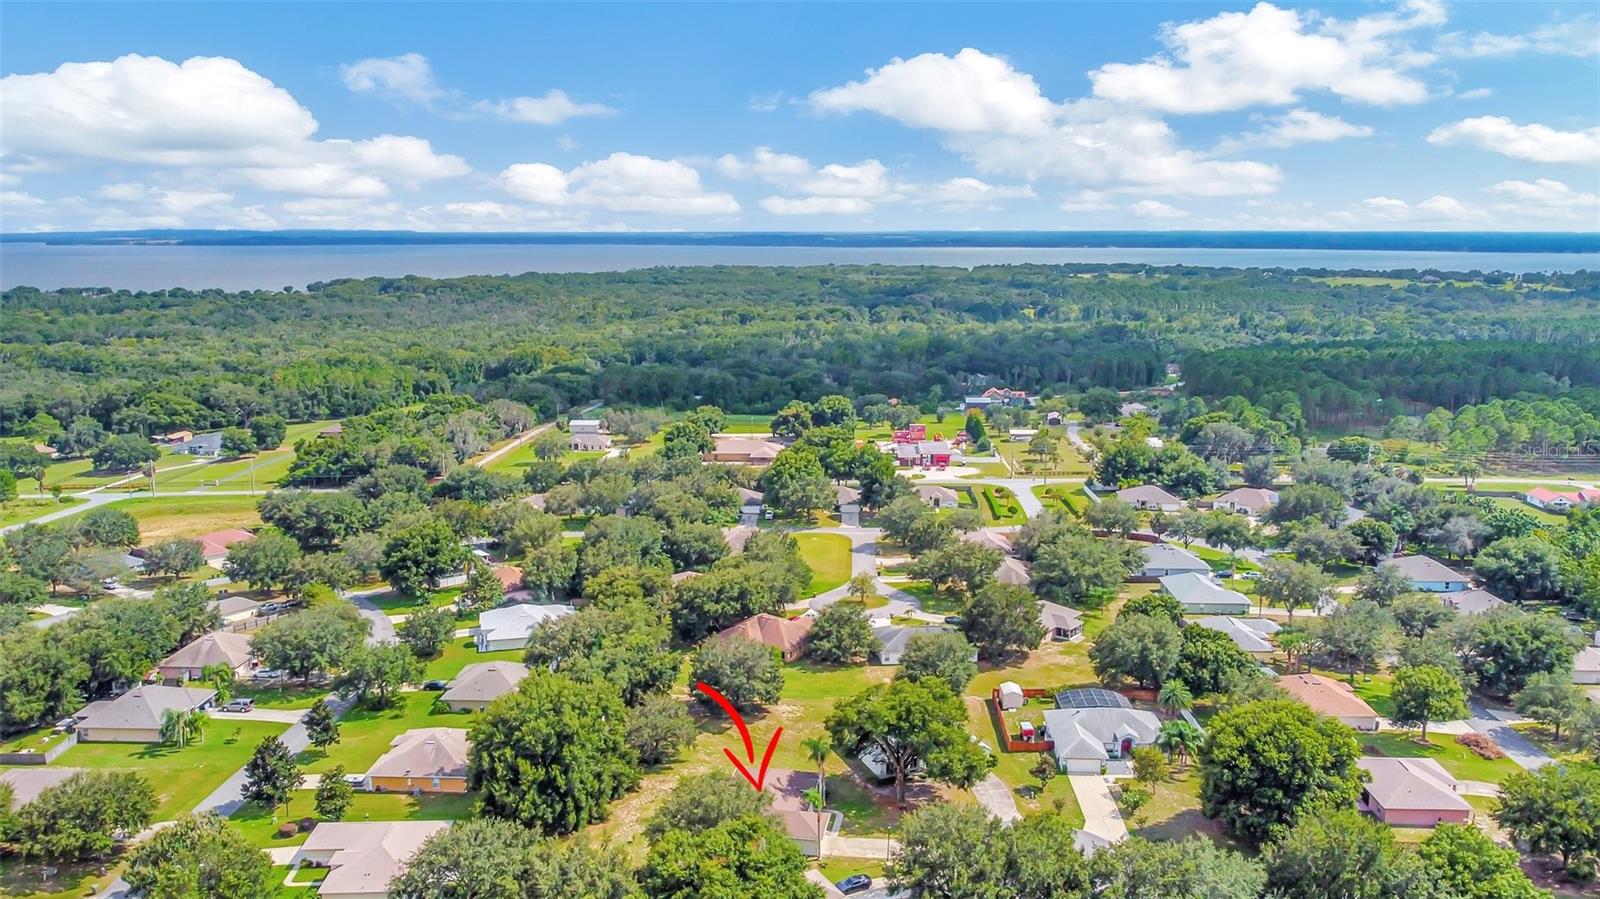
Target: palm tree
x,y
1175,696
817,750
1179,737
813,798
182,725
1294,642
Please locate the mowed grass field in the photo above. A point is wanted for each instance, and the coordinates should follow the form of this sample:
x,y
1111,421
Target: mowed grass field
x,y
365,734
189,516
181,777
829,558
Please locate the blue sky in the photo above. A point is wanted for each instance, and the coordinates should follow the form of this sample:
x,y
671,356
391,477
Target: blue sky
x,y
1417,114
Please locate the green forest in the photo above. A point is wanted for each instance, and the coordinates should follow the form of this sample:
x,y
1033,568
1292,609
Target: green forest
x,y
1354,351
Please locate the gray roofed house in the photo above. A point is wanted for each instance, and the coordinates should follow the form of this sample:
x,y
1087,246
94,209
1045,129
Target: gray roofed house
x,y
1428,574
201,445
1013,571
1249,634
1163,559
990,538
737,537
1087,739
234,609
1060,622
1472,602
509,627
1246,500
589,443
1200,595
28,782
481,683
363,856
1151,497
938,497
135,716
892,640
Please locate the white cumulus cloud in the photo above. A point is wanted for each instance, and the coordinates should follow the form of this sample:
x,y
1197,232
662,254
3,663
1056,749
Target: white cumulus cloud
x,y
1533,142
1155,209
970,92
816,205
407,77
1297,126
621,182
1270,55
553,108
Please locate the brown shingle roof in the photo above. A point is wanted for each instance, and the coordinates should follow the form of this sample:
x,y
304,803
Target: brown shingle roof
x,y
783,634
1326,695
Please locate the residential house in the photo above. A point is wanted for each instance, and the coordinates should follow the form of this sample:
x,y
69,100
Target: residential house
x,y
744,451
363,857
892,640
997,396
1150,498
585,426
1411,792
135,716
214,544
924,454
481,683
1087,739
1021,435
1000,540
216,648
1060,622
1052,418
1253,635
787,635
1335,699
1199,594
1472,602
235,609
1251,501
803,824
1013,571
1164,559
28,782
422,760
848,504
938,497
751,503
509,627
1561,501
200,445
1130,409
174,438
510,578
1586,665
589,443
1428,574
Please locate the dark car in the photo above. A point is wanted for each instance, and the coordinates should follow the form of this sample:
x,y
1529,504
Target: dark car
x,y
855,883
954,620
435,685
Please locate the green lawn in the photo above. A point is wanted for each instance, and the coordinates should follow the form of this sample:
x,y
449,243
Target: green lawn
x,y
19,510
829,558
999,506
461,652
930,598
1062,496
181,777
260,827
24,879
282,697
189,516
1442,748
365,734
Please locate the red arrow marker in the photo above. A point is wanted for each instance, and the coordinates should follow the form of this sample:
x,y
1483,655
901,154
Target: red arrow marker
x,y
760,777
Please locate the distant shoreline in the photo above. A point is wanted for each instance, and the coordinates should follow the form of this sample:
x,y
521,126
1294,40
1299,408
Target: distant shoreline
x,y
1398,241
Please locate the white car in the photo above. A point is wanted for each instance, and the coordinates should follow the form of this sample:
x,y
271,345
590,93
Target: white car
x,y
268,674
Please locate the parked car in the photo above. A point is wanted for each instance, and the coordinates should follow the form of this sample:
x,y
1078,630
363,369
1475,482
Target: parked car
x,y
954,620
436,685
855,883
110,583
359,781
273,608
65,725
268,674
242,704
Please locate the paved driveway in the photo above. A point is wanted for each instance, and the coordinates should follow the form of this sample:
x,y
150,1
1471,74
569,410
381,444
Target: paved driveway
x,y
1496,726
993,794
1101,816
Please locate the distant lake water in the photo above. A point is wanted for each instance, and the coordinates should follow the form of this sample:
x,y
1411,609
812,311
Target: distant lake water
x,y
152,267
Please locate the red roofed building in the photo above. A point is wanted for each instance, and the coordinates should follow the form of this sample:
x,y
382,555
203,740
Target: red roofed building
x,y
214,546
786,635
1561,500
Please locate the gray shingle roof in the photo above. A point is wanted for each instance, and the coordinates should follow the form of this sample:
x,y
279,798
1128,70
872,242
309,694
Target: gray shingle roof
x,y
144,707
